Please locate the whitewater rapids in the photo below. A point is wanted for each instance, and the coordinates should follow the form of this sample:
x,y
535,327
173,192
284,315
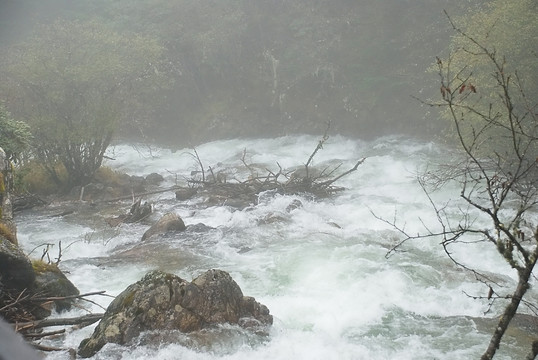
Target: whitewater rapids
x,y
322,272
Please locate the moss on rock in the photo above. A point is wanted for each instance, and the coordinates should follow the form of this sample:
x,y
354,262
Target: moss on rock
x,y
7,233
41,267
162,301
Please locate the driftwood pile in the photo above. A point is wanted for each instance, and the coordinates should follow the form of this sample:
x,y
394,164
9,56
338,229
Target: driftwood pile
x,y
296,181
218,189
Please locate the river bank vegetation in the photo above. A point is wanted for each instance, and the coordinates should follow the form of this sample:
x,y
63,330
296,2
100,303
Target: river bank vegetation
x,y
183,72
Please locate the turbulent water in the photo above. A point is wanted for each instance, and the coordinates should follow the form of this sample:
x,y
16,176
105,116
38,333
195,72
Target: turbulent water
x,y
321,269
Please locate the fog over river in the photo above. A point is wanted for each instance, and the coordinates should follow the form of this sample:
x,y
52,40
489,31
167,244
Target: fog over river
x,y
321,269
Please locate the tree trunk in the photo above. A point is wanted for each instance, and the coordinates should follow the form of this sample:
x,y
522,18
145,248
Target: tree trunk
x,y
509,311
534,351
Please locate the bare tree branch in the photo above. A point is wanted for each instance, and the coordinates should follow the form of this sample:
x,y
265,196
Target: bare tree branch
x,y
497,174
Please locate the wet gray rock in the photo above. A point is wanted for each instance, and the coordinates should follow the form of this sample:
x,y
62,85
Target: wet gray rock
x,y
137,183
273,217
199,228
38,279
185,194
170,222
51,282
154,179
16,271
295,204
162,301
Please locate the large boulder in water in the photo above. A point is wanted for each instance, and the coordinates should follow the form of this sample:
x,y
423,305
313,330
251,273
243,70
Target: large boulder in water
x,y
162,301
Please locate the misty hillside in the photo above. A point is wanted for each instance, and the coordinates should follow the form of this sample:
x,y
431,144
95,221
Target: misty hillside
x,y
251,68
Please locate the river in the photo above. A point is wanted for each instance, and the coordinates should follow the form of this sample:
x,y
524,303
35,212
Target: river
x,y
321,269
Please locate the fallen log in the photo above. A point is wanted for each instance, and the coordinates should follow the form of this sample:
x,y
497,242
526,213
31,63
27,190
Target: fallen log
x,y
84,320
134,196
72,352
35,336
55,298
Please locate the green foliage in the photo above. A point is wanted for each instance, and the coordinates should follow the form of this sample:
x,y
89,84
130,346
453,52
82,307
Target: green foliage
x,y
245,68
510,28
74,82
33,177
109,177
492,73
7,233
273,67
15,136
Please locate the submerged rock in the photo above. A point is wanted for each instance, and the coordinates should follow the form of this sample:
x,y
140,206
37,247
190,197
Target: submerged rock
x,y
162,301
199,228
295,204
522,329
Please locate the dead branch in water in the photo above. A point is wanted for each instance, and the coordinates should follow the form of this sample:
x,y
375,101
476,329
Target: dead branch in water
x,y
83,321
324,138
81,296
19,311
283,181
125,197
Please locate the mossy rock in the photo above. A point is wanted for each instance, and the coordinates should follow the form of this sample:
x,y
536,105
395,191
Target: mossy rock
x,y
7,232
32,177
51,282
2,184
162,301
41,267
108,176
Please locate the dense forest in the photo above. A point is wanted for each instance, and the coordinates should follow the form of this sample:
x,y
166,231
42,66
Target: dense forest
x,y
79,75
244,68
